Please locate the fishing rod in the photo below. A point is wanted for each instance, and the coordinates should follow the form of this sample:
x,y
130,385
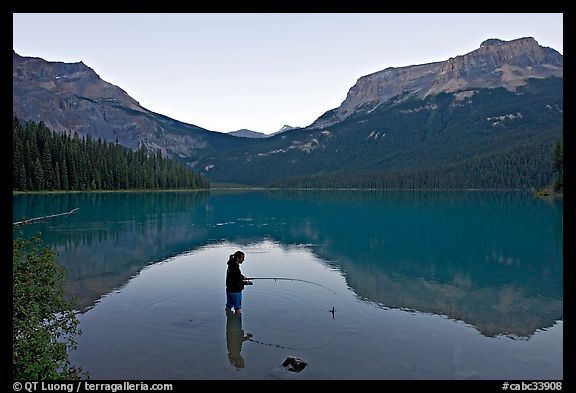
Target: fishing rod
x,y
290,279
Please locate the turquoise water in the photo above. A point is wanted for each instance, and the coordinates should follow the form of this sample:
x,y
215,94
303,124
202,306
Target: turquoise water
x,y
425,285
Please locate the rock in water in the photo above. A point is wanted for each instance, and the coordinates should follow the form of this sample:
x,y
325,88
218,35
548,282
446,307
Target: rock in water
x,y
294,364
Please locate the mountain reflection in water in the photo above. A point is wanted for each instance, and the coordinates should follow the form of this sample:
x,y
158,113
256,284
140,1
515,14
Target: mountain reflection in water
x,y
490,259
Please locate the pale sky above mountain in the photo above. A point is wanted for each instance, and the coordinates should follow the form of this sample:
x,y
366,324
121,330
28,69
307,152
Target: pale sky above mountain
x,y
260,71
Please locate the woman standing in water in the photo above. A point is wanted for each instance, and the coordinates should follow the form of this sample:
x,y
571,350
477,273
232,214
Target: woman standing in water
x,y
235,282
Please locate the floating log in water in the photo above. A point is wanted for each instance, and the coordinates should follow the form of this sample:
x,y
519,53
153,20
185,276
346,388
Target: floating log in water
x,y
45,217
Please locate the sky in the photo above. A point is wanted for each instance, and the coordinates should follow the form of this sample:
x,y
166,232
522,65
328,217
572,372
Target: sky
x,y
226,72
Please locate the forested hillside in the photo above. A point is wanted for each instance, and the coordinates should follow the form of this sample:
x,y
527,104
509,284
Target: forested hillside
x,y
518,168
46,160
491,138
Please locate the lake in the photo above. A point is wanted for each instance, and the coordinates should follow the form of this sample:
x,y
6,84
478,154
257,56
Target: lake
x,y
422,284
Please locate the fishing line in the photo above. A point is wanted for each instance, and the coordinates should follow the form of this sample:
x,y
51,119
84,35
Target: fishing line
x,y
299,280
293,348
291,279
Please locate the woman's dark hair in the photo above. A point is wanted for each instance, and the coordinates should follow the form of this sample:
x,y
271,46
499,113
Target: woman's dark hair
x,y
236,256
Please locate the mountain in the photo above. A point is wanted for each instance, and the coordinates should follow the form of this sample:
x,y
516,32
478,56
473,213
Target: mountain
x,y
72,97
496,63
284,128
486,119
244,133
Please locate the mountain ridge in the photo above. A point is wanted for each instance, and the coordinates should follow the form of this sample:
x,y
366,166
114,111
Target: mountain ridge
x,y
411,121
496,63
71,97
245,133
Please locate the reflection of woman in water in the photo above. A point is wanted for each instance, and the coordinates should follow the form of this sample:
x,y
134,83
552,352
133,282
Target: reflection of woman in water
x,y
234,338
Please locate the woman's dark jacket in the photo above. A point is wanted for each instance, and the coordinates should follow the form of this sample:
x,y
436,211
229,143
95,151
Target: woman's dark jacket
x,y
234,278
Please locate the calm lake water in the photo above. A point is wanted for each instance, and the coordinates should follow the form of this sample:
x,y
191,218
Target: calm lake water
x,y
425,284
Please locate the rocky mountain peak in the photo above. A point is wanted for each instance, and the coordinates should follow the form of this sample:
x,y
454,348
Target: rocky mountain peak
x,y
72,97
36,68
496,63
73,78
522,52
491,41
